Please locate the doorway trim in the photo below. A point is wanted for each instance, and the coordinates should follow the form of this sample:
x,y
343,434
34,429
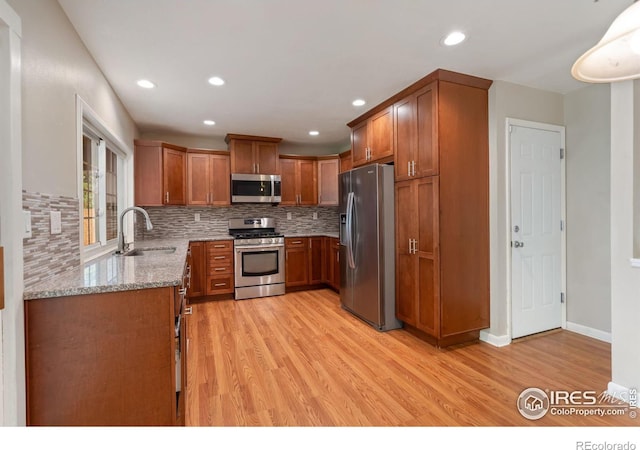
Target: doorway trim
x,y
563,213
12,372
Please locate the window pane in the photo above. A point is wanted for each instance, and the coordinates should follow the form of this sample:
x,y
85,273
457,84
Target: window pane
x,y
111,175
90,191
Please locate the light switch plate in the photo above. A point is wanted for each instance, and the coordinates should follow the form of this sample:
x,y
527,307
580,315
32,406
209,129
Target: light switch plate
x,y
27,224
315,216
56,222
288,216
197,217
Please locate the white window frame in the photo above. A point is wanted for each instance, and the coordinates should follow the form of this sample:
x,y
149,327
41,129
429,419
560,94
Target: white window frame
x,y
88,120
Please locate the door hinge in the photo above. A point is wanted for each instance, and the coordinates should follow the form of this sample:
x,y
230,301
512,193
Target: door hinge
x,y
510,129
561,297
562,225
561,153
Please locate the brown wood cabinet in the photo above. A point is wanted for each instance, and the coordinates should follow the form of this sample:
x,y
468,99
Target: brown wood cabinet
x,y
442,221
219,267
372,138
208,178
299,176
346,163
296,261
159,173
253,154
415,123
196,262
104,359
212,269
328,169
316,256
332,262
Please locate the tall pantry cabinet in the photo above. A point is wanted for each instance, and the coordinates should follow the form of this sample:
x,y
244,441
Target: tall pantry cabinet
x,y
442,207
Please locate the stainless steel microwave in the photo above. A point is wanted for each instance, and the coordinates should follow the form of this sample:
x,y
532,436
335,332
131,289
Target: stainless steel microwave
x,y
258,188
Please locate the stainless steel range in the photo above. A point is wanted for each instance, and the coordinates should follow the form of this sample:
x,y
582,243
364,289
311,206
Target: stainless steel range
x,y
259,258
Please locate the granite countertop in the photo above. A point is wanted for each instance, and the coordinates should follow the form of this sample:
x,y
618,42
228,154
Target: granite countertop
x,y
111,273
294,235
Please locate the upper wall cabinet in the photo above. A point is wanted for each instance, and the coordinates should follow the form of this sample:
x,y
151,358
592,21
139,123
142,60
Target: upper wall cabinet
x,y
415,126
346,163
372,138
253,154
208,178
159,173
328,169
299,180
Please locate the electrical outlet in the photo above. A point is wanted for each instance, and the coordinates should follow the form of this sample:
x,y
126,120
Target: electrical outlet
x,y
27,224
315,216
56,222
197,217
288,216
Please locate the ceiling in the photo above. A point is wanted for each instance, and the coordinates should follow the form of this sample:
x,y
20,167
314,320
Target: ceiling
x,y
292,66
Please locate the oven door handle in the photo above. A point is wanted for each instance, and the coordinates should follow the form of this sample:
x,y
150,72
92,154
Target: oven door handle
x,y
260,248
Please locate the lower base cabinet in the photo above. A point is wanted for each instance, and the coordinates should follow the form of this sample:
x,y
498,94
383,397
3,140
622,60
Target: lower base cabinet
x,y
212,271
105,359
312,262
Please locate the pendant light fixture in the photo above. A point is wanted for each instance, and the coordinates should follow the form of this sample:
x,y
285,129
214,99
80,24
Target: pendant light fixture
x,y
617,56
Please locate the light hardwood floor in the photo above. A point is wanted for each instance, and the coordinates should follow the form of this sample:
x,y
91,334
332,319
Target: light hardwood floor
x,y
300,360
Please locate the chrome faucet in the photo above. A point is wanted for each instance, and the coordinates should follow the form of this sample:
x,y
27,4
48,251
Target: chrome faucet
x,y
121,244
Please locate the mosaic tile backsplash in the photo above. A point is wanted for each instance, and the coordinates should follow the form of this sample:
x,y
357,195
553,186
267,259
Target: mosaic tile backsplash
x,y
47,255
179,221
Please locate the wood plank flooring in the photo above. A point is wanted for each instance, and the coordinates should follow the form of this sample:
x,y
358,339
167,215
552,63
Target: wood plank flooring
x,y
300,360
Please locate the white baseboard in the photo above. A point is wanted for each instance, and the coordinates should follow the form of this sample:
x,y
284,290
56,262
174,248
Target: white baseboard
x,y
496,341
588,331
617,391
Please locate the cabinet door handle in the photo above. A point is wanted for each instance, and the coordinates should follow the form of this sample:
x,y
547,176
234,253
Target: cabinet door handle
x,y
219,284
219,257
257,167
413,168
408,168
166,196
218,246
296,242
220,269
188,311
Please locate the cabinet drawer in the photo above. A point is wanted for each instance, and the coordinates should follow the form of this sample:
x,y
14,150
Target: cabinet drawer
x,y
296,242
220,285
219,260
220,246
220,270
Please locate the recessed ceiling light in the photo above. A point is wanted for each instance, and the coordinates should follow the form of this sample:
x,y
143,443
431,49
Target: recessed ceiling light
x,y
209,122
216,81
146,84
314,133
358,102
454,38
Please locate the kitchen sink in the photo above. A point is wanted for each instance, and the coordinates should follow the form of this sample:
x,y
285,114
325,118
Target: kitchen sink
x,y
150,251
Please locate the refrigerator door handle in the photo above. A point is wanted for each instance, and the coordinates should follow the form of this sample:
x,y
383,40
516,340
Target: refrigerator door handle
x,y
350,258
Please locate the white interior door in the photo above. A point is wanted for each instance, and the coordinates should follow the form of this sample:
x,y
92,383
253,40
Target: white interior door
x,y
536,230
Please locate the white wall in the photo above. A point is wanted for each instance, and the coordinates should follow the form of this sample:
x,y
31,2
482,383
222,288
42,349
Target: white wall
x,y
507,100
218,143
57,66
625,280
588,125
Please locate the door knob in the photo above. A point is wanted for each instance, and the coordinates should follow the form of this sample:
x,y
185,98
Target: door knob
x,y
517,244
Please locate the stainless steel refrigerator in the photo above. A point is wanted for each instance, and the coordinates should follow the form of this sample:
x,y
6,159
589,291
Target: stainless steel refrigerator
x,y
367,234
